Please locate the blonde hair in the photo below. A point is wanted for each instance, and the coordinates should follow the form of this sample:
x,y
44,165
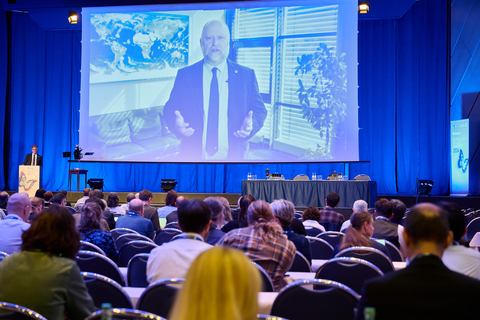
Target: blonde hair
x,y
353,236
221,284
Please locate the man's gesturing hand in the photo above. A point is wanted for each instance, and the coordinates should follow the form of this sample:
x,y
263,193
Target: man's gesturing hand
x,y
181,126
247,127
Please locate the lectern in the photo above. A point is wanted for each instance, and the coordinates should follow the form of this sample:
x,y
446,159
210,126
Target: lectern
x,y
29,179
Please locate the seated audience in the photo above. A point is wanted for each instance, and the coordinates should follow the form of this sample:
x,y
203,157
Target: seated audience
x,y
130,197
97,195
284,212
47,197
173,259
4,199
227,213
330,219
149,212
219,276
44,277
399,210
242,220
65,193
426,288
37,207
170,200
40,193
456,257
384,228
81,201
311,219
14,225
134,220
217,208
91,230
113,204
359,234
173,216
264,242
359,205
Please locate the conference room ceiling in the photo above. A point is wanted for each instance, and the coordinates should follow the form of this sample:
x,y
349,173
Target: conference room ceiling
x,y
52,14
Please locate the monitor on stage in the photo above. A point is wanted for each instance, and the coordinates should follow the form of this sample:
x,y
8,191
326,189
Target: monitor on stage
x,y
230,82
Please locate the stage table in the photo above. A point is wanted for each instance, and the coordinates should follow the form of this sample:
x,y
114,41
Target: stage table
x,y
311,193
78,172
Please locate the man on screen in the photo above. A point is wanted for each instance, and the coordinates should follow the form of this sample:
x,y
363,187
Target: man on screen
x,y
215,106
33,159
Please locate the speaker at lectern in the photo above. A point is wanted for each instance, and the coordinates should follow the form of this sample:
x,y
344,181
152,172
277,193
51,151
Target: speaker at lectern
x,y
29,179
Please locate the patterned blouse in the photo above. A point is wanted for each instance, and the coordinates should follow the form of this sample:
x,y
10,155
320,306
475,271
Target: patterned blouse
x,y
103,240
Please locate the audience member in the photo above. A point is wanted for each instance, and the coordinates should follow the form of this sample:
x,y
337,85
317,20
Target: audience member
x,y
149,212
13,226
97,195
217,208
4,199
456,257
384,229
221,284
58,198
227,213
237,210
130,197
104,224
91,230
330,218
426,288
173,216
359,205
40,193
37,207
81,201
311,219
135,220
358,234
170,200
399,210
173,259
67,204
113,204
47,197
44,277
284,212
242,220
264,242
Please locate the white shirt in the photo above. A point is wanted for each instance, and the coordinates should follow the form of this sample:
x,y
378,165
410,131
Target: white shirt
x,y
81,201
163,212
345,225
313,224
173,259
222,76
11,230
117,210
462,260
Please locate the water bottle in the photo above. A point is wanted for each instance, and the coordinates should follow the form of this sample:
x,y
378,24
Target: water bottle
x,y
369,313
249,176
314,176
106,312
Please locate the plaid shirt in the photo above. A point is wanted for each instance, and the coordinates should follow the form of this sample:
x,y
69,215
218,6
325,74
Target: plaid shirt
x,y
328,215
275,256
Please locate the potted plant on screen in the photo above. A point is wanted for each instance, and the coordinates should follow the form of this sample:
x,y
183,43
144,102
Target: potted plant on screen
x,y
323,104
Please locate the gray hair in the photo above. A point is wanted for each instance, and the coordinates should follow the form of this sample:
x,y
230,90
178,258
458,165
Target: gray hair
x,y
284,210
216,206
360,205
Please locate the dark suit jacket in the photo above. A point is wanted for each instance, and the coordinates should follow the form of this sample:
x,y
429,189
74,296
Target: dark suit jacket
x,y
187,97
425,289
172,217
152,214
28,160
301,243
384,229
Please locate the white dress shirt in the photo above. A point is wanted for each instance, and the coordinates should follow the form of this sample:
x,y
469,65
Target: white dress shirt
x,y
163,212
313,224
11,230
462,260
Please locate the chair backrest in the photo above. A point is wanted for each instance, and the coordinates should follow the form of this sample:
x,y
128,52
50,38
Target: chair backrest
x,y
172,225
137,270
87,246
472,228
300,263
159,296
132,248
165,235
94,262
269,317
395,254
312,231
3,255
18,312
332,300
330,226
125,314
320,248
332,237
375,256
119,231
124,238
104,290
351,272
267,283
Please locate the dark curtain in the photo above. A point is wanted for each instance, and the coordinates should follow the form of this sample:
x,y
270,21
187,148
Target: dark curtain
x,y
403,112
3,91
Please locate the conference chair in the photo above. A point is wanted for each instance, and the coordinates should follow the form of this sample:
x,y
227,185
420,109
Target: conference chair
x,y
372,255
312,231
393,251
125,314
351,272
94,262
137,270
132,248
269,317
267,283
331,301
332,237
172,225
330,226
158,297
3,255
472,228
298,215
87,246
320,248
119,231
124,238
17,312
104,290
166,235
300,263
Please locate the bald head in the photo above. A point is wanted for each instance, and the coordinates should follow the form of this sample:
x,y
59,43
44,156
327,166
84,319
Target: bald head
x,y
215,42
136,205
19,204
179,200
